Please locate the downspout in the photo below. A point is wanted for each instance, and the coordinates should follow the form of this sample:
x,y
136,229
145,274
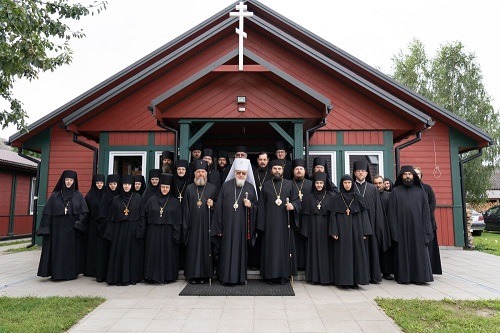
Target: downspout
x,y
311,131
13,195
462,191
418,137
86,145
170,129
35,193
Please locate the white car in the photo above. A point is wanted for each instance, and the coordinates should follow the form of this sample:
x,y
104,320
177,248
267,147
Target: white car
x,y
477,225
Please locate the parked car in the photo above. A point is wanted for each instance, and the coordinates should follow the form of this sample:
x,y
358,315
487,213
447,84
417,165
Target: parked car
x,y
492,219
478,224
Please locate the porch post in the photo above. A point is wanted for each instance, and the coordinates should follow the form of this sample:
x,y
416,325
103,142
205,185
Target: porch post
x,y
184,135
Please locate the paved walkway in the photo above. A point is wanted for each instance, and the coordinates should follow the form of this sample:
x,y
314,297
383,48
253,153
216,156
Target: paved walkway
x,y
147,308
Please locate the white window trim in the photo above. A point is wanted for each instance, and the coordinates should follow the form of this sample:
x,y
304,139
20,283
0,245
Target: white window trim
x,y
32,195
379,153
157,159
333,155
112,155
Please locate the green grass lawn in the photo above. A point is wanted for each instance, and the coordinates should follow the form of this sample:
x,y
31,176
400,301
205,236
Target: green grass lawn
x,y
49,314
418,316
23,249
21,241
488,242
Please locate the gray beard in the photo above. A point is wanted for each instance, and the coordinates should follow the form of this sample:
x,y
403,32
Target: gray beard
x,y
200,181
240,182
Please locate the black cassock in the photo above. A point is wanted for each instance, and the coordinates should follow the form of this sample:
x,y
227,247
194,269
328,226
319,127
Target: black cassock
x,y
126,254
162,238
236,226
102,244
93,199
380,242
196,236
62,244
434,254
350,257
411,229
273,222
303,188
315,226
387,257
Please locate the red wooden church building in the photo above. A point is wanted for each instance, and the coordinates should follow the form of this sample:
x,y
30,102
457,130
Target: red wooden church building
x,y
293,86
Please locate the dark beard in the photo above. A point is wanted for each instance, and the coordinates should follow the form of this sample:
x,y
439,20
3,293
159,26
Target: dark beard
x,y
277,176
299,178
408,182
263,169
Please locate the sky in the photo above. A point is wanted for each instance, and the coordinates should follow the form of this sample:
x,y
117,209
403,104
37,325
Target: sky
x,y
372,31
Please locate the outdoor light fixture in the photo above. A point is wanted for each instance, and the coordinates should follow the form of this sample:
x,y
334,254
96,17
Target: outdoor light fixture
x,y
241,99
241,109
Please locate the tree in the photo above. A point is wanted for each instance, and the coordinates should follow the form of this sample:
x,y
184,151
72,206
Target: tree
x,y
453,79
34,38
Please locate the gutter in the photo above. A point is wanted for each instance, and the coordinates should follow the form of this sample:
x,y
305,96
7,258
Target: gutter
x,y
168,129
35,193
462,191
309,132
418,137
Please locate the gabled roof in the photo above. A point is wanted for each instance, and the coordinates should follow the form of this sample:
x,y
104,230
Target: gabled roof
x,y
13,160
338,60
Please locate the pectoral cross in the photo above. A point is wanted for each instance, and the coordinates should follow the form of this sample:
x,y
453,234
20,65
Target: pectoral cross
x,y
125,211
161,211
180,197
65,210
347,211
300,195
319,207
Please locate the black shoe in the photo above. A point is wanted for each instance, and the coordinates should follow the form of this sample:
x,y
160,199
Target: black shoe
x,y
193,281
223,283
282,281
374,282
355,286
387,277
202,281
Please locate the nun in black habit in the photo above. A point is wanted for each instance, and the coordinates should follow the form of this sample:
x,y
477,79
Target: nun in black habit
x,y
317,207
126,255
139,184
163,217
411,228
93,200
350,229
62,230
153,187
102,255
181,180
320,161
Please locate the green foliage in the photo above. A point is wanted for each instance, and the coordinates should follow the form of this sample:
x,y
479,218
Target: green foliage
x,y
34,38
49,314
488,242
443,316
453,80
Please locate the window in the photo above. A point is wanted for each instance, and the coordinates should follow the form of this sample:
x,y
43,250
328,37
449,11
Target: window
x,y
374,158
127,162
331,162
158,160
32,195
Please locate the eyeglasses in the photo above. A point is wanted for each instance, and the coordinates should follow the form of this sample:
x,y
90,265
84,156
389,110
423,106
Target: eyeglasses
x,y
241,173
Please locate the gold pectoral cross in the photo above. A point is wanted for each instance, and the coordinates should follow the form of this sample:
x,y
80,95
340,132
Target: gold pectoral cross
x,y
125,211
300,195
347,211
161,211
319,206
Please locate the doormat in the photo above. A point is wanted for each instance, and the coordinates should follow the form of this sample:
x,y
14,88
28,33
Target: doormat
x,y
252,288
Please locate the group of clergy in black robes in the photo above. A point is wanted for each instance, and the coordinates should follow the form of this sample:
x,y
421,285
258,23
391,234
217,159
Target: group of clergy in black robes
x,y
126,231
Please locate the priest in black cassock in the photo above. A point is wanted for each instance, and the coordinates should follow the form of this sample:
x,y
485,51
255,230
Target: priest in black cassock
x,y
126,254
163,217
434,254
278,261
167,161
197,218
112,185
234,221
381,240
62,230
387,257
411,228
317,207
261,174
223,165
213,176
350,229
153,187
93,200
303,187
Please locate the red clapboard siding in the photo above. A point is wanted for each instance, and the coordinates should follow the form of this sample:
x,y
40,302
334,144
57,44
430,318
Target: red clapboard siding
x,y
23,224
432,150
23,189
135,104
445,231
64,155
264,100
164,139
351,110
4,226
324,138
128,139
5,193
364,138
